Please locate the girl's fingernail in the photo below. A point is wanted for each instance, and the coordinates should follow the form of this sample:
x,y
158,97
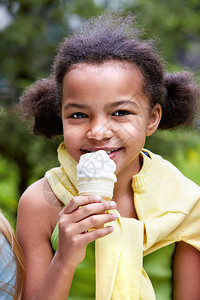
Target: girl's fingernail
x,y
113,204
114,216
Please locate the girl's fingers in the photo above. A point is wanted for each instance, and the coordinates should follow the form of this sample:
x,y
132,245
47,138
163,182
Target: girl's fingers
x,y
93,235
92,209
84,213
73,232
78,201
95,221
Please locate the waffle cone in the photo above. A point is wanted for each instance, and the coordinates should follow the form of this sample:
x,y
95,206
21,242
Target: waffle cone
x,y
97,186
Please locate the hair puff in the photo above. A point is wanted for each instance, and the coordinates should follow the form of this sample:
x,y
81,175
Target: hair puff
x,y
180,105
41,101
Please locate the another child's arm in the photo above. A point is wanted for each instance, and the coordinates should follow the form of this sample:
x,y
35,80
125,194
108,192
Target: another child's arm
x,y
186,270
48,276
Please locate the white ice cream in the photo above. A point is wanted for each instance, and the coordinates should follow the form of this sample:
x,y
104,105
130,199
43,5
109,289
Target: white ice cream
x,y
95,174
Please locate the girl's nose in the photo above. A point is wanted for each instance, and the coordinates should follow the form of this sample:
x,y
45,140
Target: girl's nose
x,y
100,130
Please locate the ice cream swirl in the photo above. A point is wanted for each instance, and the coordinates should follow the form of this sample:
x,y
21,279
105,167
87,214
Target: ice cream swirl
x,y
96,165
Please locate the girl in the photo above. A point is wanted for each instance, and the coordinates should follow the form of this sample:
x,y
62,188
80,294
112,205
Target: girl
x,y
12,270
108,90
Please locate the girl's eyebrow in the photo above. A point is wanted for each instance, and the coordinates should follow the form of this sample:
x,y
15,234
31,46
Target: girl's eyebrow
x,y
122,102
76,105
114,104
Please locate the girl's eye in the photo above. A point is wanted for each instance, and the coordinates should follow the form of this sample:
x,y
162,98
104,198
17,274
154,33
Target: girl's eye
x,y
121,113
78,115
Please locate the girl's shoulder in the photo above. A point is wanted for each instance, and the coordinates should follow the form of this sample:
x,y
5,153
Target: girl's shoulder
x,y
40,194
39,204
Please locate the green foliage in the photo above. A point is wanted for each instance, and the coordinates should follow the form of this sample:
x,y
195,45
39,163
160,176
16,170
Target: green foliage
x,y
176,24
25,151
8,185
28,43
84,9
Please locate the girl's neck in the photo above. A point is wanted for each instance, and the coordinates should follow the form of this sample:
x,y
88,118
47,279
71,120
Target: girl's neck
x,y
124,178
122,189
124,195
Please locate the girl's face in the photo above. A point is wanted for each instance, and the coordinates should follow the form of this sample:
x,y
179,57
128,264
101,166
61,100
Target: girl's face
x,y
104,107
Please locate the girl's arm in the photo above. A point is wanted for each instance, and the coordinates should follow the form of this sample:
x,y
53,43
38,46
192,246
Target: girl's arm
x,y
47,276
186,270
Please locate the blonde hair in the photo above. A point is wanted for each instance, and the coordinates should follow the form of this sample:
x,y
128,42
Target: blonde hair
x,y
7,231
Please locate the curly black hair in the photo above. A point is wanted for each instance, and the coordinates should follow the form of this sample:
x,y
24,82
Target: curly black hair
x,y
107,38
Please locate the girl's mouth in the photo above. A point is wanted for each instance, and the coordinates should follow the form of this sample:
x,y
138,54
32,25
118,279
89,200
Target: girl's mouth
x,y
108,151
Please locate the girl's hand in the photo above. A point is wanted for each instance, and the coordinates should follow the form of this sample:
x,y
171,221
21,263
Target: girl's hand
x,y
78,216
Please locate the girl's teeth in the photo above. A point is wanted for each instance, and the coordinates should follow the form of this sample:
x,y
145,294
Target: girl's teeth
x,y
110,151
107,151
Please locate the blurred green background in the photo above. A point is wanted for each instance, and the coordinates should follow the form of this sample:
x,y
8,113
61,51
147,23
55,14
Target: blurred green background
x,y
30,31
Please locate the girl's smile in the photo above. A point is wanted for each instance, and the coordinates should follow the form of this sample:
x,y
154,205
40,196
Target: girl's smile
x,y
104,107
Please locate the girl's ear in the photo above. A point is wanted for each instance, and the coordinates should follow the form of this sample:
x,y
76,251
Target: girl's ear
x,y
154,119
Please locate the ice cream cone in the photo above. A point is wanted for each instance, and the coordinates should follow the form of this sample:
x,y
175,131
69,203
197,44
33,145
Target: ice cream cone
x,y
95,174
96,186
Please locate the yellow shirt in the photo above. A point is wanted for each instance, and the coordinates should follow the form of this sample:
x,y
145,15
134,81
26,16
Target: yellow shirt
x,y
167,205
